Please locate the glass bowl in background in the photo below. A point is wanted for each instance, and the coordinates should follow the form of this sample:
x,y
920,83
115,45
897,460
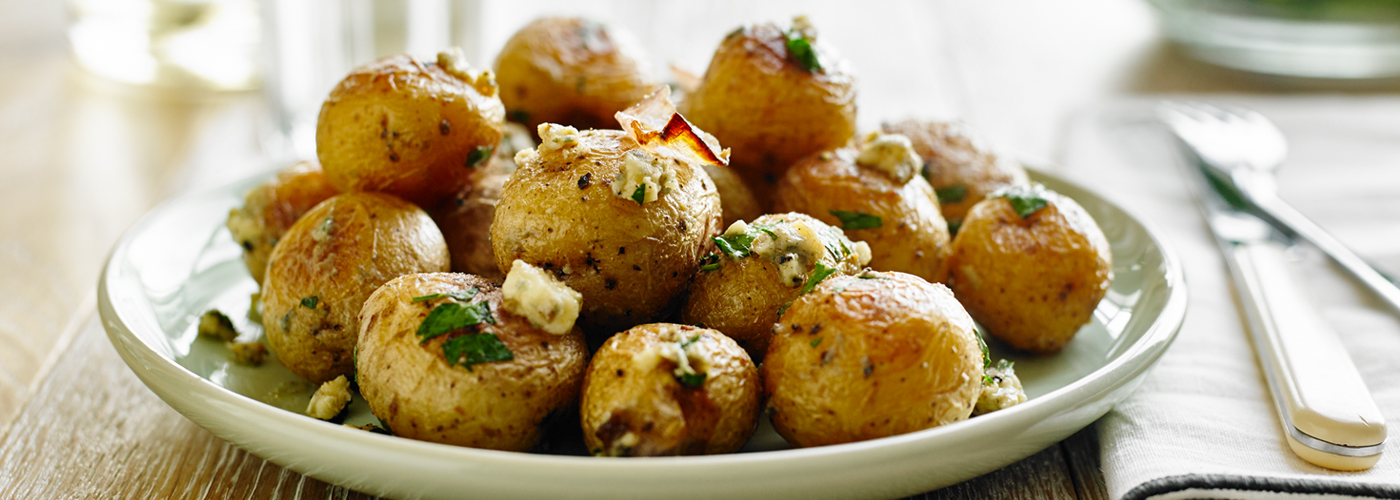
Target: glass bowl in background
x,y
1304,38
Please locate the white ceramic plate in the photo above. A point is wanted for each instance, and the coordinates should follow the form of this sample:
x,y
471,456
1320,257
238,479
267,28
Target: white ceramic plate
x,y
179,261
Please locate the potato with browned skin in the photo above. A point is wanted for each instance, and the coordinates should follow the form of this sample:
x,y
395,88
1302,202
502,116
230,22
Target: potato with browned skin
x,y
773,96
1030,265
483,376
571,71
419,130
871,356
465,219
664,389
760,268
328,263
272,207
875,194
624,217
961,169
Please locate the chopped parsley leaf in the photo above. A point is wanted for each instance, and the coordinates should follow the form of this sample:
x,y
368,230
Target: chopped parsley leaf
x,y
951,194
1026,200
736,246
693,339
784,308
478,155
640,195
474,349
817,341
857,220
691,379
986,355
310,302
451,316
818,274
709,263
801,50
461,295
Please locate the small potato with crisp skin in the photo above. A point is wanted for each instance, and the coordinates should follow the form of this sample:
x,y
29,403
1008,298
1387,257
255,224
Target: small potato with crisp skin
x,y
328,263
498,392
664,389
961,169
899,220
630,256
416,130
272,207
742,296
770,105
570,71
870,356
1032,276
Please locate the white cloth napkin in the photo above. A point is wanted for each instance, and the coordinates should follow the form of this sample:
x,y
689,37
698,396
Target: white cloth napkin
x,y
1202,424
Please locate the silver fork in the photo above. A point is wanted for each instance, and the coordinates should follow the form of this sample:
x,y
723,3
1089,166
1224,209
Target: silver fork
x,y
1246,148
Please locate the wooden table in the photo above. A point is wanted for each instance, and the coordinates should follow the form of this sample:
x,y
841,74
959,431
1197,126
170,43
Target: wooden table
x,y
81,159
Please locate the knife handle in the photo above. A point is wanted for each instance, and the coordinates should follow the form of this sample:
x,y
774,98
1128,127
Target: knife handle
x,y
1328,415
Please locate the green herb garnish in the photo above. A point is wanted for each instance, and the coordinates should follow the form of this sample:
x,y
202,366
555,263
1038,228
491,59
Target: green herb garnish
x,y
709,263
818,274
215,324
736,246
857,220
782,309
691,379
518,116
451,316
693,339
478,155
953,226
1026,200
817,341
986,355
474,349
801,50
640,195
951,194
461,295
310,302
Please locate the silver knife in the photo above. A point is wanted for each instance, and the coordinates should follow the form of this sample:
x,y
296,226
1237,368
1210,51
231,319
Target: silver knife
x,y
1328,415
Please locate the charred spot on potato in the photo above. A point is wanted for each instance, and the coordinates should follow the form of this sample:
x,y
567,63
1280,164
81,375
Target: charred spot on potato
x,y
584,181
610,284
444,127
247,245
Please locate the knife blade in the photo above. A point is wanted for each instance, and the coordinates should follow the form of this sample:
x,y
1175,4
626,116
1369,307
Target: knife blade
x,y
1327,413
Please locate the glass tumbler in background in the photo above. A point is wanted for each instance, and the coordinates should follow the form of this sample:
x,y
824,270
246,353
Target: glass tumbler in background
x,y
310,45
1305,38
174,44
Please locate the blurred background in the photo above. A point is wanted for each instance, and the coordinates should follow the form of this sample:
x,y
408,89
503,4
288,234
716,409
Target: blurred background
x,y
108,107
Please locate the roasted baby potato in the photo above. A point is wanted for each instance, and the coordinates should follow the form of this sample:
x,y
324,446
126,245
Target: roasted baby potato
x,y
417,130
570,71
272,207
663,389
1031,266
624,225
761,267
479,376
774,96
870,356
327,264
961,170
892,209
465,219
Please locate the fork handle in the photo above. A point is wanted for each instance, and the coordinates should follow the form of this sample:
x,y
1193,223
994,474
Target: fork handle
x,y
1328,415
1299,224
